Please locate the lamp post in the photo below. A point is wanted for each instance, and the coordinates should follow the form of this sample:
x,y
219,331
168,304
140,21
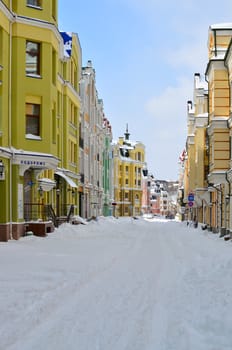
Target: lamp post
x,y
147,188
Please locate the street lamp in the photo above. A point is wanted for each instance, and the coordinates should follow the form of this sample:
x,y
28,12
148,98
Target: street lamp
x,y
147,188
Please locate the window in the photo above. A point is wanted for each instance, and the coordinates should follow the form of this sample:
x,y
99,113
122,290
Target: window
x,y
54,127
32,58
54,67
36,3
72,152
32,119
124,152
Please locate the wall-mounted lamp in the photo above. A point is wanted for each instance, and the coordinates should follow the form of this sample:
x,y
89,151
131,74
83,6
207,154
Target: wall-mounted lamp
x,y
2,170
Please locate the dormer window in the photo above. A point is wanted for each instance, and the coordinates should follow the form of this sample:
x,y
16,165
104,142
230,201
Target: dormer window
x,y
124,152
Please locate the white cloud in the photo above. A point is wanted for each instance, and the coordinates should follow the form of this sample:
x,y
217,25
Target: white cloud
x,y
171,101
167,128
193,56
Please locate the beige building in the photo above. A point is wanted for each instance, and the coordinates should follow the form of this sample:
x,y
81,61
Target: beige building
x,y
196,171
207,166
219,110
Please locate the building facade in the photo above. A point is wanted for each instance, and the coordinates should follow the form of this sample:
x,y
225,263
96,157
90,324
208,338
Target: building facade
x,y
95,149
208,162
129,161
55,142
30,44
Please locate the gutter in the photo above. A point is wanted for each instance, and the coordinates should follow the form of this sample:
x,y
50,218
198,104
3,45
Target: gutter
x,y
215,41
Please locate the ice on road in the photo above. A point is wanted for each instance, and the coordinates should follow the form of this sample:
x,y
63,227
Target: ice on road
x,y
117,285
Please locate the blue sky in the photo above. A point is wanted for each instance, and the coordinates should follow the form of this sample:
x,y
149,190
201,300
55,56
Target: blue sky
x,y
145,53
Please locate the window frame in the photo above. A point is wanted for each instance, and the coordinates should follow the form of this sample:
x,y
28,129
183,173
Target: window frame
x,y
32,117
36,6
37,73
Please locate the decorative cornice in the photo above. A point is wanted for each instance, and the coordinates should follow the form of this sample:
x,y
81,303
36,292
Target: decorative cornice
x,y
217,123
229,175
230,121
201,120
4,9
191,139
41,24
217,177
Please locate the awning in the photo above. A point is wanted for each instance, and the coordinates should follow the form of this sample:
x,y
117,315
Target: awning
x,y
46,184
66,178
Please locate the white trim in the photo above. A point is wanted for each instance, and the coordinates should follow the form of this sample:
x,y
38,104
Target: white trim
x,y
47,184
217,123
40,24
66,178
4,9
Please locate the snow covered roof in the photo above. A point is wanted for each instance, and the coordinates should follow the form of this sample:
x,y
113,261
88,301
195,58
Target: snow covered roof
x,y
221,26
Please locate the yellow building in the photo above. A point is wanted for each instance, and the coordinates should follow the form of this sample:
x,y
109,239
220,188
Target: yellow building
x,y
196,171
129,160
208,165
39,115
218,132
67,126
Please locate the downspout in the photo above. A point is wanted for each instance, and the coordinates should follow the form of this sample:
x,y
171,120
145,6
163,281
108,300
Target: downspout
x,y
209,215
230,150
229,185
215,41
208,120
10,118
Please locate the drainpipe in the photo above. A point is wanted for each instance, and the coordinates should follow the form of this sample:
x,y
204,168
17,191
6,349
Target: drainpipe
x,y
208,119
230,150
10,118
229,185
215,41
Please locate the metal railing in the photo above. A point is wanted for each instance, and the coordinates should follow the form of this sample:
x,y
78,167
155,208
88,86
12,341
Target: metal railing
x,y
45,212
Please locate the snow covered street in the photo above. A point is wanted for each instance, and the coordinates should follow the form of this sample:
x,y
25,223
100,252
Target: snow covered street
x,y
117,284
